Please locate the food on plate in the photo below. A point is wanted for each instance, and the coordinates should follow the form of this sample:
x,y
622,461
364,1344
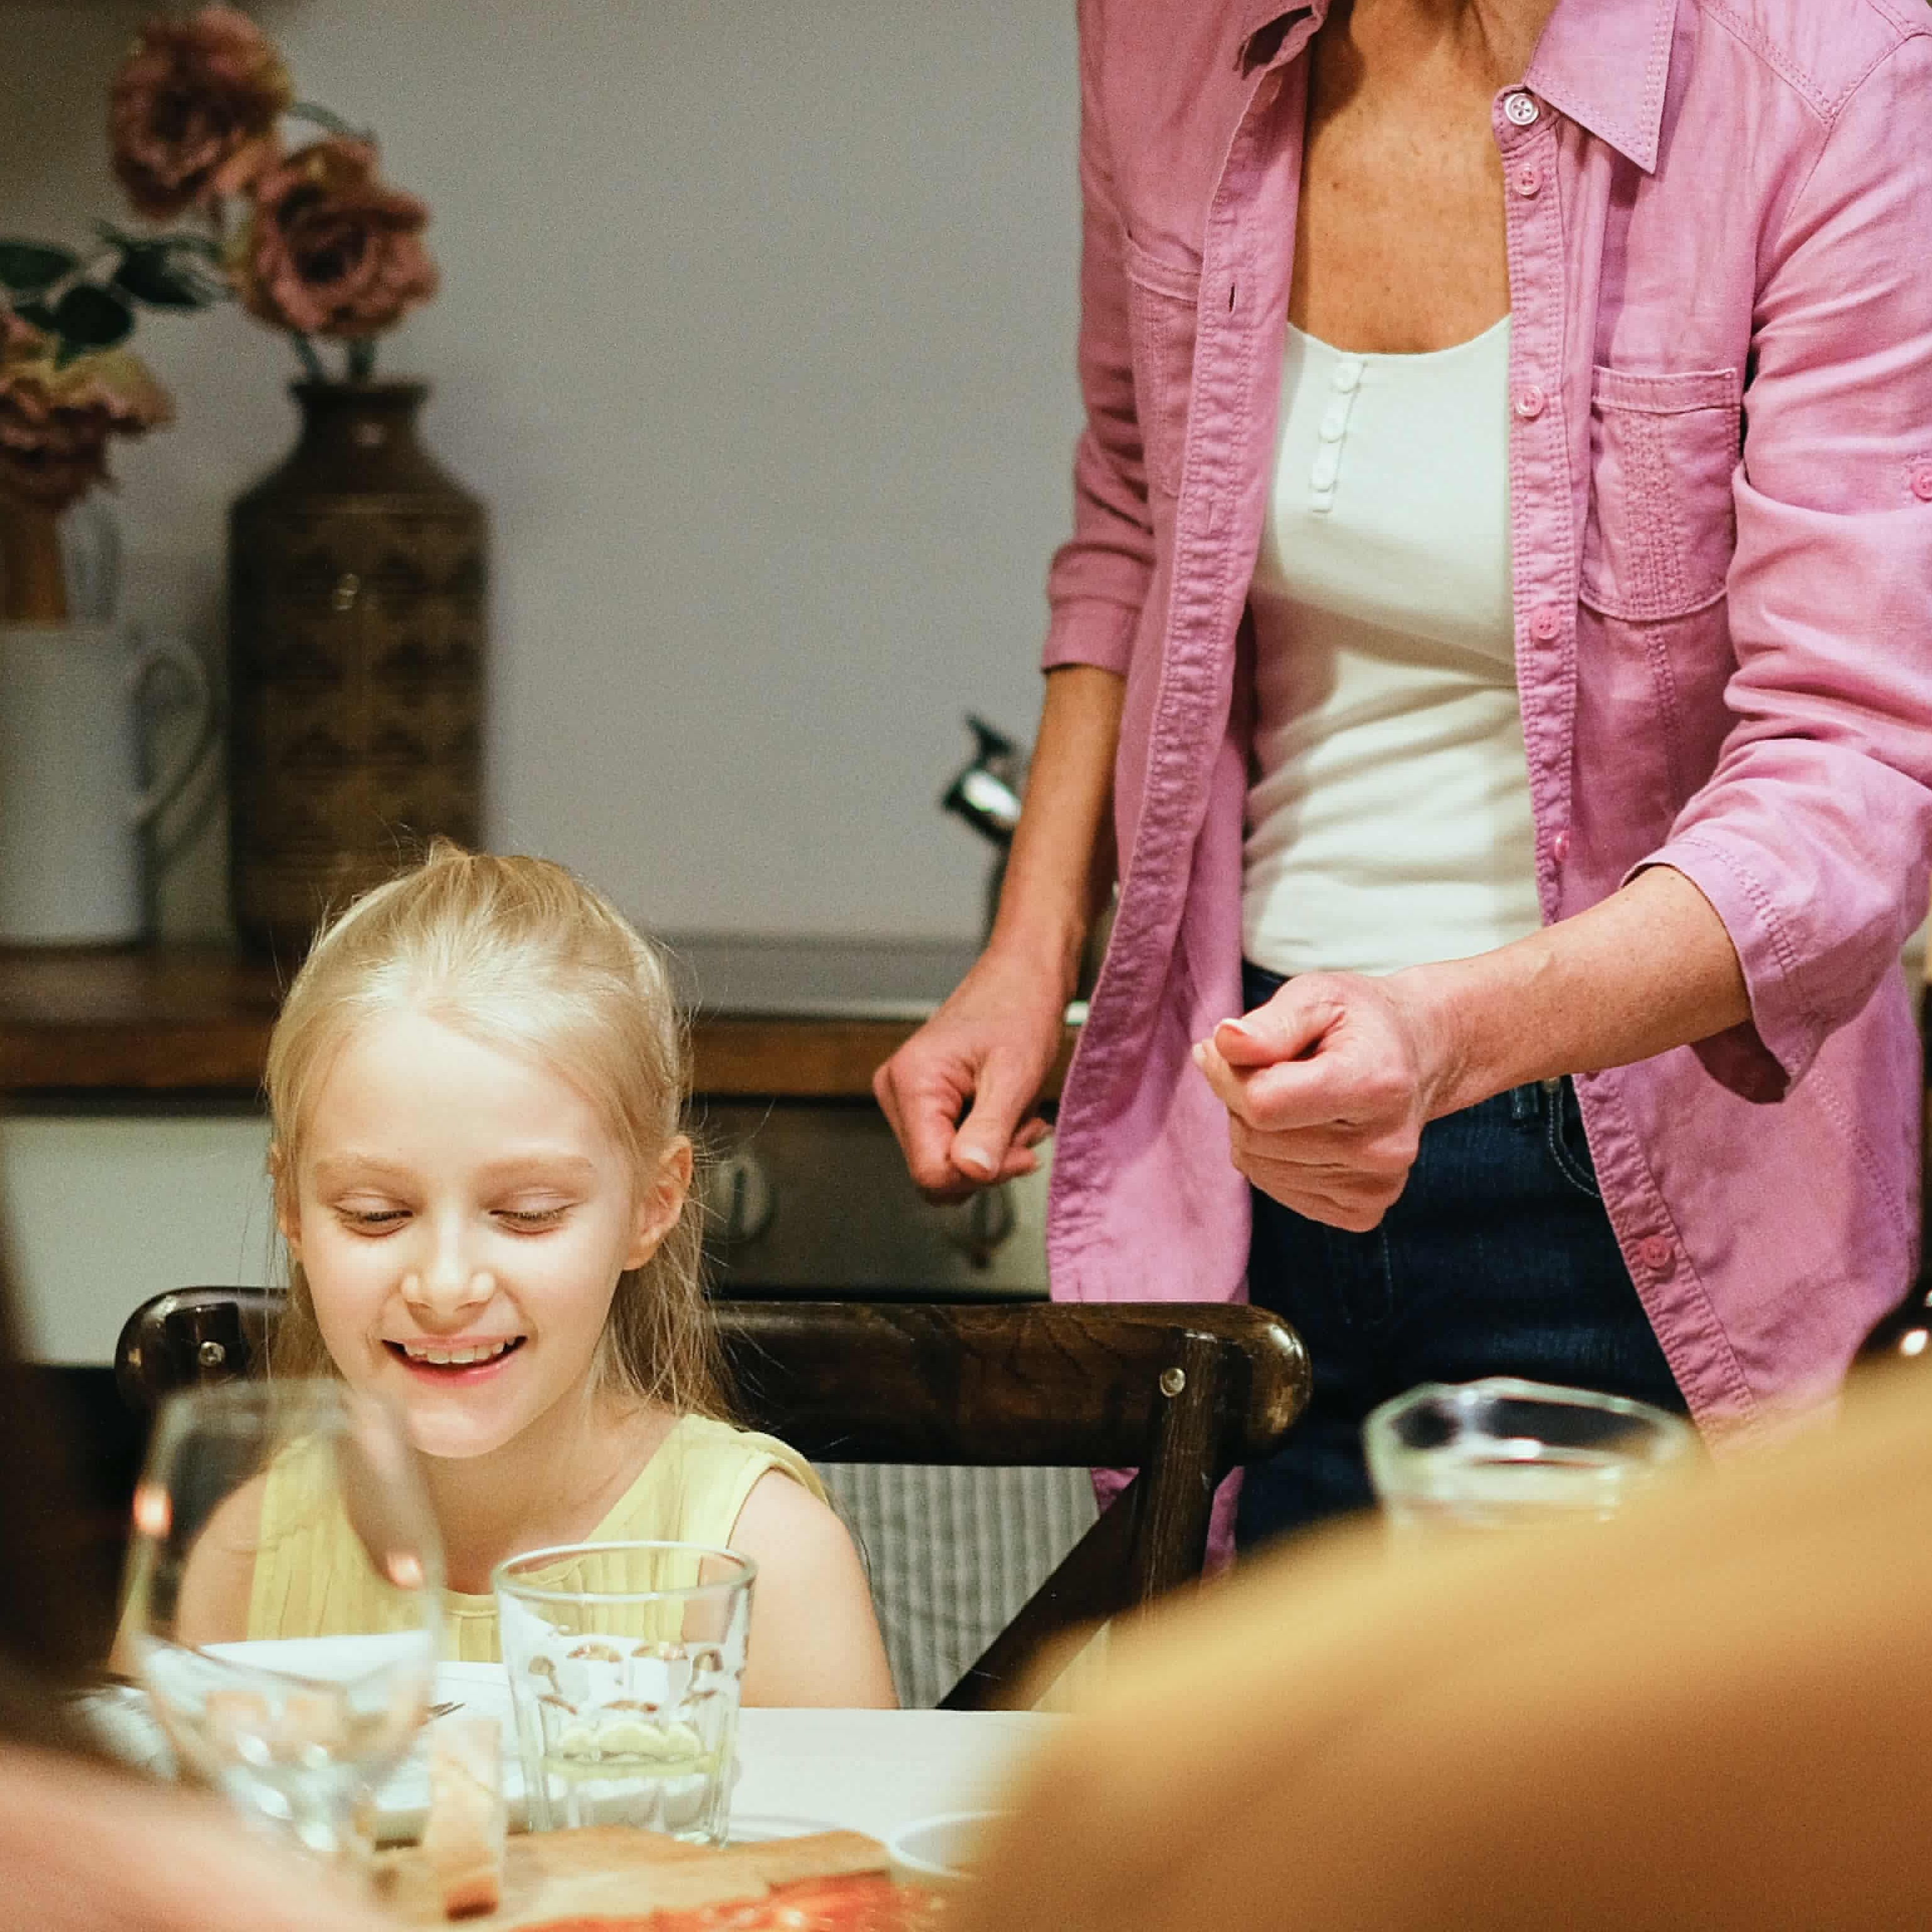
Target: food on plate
x,y
863,1902
464,1839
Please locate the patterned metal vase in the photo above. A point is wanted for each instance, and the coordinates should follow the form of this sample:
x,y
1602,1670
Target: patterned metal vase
x,y
357,583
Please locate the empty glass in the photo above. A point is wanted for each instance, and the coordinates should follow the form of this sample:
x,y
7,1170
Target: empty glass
x,y
1483,1454
296,1731
625,1662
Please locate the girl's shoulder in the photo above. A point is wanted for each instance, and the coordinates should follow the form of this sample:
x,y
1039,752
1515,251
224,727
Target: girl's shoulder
x,y
695,1482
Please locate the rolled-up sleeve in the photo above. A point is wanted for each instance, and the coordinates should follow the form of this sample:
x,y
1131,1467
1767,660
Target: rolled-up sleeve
x,y
1099,578
1813,836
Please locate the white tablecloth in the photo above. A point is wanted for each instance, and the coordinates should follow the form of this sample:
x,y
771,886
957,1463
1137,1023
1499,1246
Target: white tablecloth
x,y
799,1770
874,1771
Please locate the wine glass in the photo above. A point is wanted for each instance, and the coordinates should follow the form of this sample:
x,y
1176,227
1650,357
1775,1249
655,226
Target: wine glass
x,y
296,1731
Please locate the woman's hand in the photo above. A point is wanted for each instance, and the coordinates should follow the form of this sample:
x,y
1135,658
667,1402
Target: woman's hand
x,y
1327,1087
959,1093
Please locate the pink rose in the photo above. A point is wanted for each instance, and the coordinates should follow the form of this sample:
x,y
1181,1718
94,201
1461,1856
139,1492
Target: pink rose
x,y
54,423
330,249
193,111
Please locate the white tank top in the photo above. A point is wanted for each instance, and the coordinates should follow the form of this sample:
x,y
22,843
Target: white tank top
x,y
1388,816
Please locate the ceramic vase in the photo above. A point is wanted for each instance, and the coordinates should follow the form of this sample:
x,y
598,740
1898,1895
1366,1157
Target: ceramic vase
x,y
358,578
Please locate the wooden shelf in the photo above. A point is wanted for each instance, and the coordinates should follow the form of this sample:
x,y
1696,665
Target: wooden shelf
x,y
193,1021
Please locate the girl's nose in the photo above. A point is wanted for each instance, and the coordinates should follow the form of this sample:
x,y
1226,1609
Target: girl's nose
x,y
449,1287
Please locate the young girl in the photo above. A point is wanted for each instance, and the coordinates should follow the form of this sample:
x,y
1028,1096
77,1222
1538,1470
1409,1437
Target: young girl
x,y
476,1086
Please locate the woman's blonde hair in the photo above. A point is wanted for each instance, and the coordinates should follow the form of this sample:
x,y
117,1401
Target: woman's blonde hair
x,y
521,954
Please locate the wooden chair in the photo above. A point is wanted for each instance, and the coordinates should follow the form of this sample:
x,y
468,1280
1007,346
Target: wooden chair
x,y
1181,1393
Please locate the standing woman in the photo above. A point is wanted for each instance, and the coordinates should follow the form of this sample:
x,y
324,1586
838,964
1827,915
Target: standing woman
x,y
1497,640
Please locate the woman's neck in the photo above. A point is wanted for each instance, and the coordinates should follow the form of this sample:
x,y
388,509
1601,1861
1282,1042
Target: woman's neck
x,y
1490,41
553,1483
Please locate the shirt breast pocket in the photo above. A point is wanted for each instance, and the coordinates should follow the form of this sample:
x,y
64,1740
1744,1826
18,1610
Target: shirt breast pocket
x,y
1661,527
1161,301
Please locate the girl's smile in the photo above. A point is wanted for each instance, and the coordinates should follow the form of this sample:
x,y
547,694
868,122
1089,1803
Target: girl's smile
x,y
449,1360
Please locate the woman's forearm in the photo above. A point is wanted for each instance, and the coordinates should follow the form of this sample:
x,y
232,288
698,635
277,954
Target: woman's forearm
x,y
1649,968
1062,853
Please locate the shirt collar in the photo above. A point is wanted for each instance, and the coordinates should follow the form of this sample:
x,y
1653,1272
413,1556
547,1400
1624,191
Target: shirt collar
x,y
1602,62
1271,33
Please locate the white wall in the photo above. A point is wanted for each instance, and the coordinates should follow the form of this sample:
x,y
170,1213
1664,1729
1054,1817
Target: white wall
x,y
105,1210
757,333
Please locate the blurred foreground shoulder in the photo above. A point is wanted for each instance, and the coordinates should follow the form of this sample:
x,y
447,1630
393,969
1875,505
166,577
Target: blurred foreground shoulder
x,y
86,1849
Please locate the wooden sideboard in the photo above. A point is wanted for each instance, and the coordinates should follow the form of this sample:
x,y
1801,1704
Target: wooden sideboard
x,y
193,1020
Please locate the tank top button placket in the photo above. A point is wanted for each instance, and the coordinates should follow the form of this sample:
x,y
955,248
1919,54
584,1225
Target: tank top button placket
x,y
1345,380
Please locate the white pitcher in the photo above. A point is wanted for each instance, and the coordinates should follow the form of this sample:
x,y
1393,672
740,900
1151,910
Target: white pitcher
x,y
72,813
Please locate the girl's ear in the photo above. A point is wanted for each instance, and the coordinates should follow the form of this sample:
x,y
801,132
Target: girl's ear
x,y
288,1212
662,1201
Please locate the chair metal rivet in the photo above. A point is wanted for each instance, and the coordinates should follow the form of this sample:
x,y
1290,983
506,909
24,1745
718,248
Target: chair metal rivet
x,y
1173,1381
211,1354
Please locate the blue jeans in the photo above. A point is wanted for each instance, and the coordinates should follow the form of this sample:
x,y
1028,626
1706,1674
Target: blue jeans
x,y
1498,1259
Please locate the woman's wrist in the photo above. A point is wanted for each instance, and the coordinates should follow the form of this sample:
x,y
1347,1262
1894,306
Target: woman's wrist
x,y
1041,943
1648,969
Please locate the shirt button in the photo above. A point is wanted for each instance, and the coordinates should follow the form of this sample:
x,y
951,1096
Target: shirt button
x,y
1334,422
1529,401
1559,846
1323,474
1545,626
1921,482
1347,375
1528,180
1655,1252
1520,109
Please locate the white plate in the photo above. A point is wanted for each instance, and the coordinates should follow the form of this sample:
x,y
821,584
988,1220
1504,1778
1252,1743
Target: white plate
x,y
128,1725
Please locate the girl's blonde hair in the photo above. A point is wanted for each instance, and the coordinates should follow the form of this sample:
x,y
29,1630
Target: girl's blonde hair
x,y
521,955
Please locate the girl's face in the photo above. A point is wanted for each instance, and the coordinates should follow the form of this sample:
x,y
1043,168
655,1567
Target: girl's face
x,y
463,1215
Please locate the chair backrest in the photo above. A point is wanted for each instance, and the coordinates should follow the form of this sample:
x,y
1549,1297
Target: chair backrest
x,y
1182,1394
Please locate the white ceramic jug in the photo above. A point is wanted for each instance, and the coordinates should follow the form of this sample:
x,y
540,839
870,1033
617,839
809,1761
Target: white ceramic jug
x,y
72,813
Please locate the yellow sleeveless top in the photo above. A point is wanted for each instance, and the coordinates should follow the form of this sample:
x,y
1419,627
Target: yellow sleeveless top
x,y
311,1578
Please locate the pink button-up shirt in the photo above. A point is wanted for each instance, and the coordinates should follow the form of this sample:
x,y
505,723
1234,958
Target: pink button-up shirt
x,y
1719,217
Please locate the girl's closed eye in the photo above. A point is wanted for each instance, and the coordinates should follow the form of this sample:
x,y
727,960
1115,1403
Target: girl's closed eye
x,y
373,1219
530,1219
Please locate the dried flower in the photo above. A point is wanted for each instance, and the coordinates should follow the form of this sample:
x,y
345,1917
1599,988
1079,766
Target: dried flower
x,y
330,249
193,111
54,423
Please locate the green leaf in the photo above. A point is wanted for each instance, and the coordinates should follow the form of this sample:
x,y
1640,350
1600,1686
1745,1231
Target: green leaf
x,y
149,274
87,318
329,122
27,267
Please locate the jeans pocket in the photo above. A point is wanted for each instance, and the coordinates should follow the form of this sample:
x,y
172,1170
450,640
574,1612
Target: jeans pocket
x,y
1569,1146
1661,527
1161,304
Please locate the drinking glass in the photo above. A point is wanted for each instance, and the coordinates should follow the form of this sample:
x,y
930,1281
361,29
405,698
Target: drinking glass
x,y
1480,1455
296,1731
626,1662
